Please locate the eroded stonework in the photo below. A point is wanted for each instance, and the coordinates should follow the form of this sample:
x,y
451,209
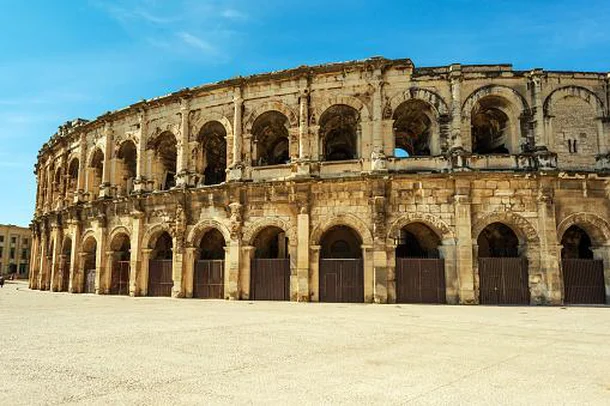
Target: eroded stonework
x,y
369,181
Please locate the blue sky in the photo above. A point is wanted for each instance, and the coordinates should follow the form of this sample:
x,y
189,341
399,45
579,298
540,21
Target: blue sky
x,y
65,59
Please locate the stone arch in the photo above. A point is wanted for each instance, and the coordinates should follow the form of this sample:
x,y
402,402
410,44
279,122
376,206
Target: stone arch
x,y
121,229
205,117
576,91
257,226
524,230
342,219
350,101
511,95
274,105
92,153
595,226
198,231
442,229
86,236
435,100
153,232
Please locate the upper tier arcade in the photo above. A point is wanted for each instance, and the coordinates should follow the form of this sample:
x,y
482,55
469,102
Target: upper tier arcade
x,y
333,120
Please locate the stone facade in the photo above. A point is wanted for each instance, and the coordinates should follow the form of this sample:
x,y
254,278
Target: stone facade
x,y
15,243
348,160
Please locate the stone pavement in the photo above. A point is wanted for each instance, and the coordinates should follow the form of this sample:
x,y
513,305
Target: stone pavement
x,y
60,348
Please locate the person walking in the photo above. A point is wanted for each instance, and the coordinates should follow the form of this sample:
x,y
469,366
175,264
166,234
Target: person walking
x,y
1,281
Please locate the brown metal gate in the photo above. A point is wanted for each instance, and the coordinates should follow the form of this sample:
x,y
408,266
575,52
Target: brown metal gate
x,y
583,281
120,278
341,280
65,277
89,280
270,279
503,281
160,281
420,280
208,281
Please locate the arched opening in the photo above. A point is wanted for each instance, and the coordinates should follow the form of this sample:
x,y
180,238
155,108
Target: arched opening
x,y
89,264
576,132
160,278
212,155
64,266
420,272
503,274
72,182
95,173
165,154
208,281
270,135
341,266
270,267
58,187
491,128
583,276
120,266
413,128
339,129
128,161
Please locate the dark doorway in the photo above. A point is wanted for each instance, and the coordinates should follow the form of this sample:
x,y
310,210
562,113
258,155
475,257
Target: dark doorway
x,y
208,280
503,274
420,273
121,247
341,266
270,268
160,278
583,276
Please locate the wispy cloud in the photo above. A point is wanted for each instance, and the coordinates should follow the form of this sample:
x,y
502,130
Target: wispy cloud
x,y
196,42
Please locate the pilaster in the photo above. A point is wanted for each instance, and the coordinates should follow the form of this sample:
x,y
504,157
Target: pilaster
x,y
464,248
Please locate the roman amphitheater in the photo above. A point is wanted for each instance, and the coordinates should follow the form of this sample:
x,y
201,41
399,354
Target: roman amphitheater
x,y
366,181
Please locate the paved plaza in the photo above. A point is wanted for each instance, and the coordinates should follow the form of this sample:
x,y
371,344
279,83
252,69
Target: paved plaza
x,y
60,348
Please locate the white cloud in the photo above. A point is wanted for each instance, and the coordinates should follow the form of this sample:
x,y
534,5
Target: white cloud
x,y
196,42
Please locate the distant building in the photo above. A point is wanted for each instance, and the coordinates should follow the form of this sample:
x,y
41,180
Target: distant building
x,y
15,245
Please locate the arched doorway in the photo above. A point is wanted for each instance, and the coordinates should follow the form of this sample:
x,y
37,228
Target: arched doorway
x,y
341,266
503,275
127,168
120,266
493,129
420,272
339,129
165,160
160,280
583,276
64,269
208,281
94,174
270,267
270,134
413,129
89,264
211,161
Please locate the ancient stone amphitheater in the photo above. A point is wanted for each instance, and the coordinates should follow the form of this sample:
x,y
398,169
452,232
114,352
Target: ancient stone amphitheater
x,y
365,181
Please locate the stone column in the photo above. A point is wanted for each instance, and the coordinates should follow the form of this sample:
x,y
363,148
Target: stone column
x,y
54,266
191,254
109,266
73,287
105,186
182,164
302,257
447,251
43,259
177,262
464,249
135,264
143,279
378,158
540,141
139,182
236,169
82,169
232,255
455,76
391,272
244,271
369,274
100,258
546,287
304,126
80,277
314,272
